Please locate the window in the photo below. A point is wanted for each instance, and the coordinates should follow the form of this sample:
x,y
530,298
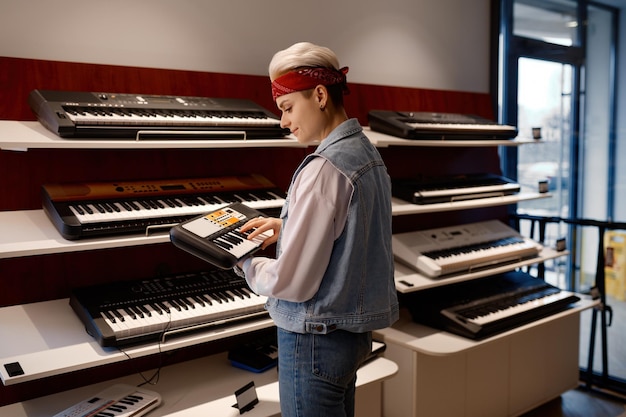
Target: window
x,y
557,75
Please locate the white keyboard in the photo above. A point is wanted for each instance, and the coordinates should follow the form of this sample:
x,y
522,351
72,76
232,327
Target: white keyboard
x,y
119,400
443,251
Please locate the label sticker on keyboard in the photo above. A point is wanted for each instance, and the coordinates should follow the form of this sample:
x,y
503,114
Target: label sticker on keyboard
x,y
214,222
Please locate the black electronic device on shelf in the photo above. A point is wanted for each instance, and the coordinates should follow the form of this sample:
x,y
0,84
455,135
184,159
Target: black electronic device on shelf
x,y
78,114
158,309
438,126
451,188
483,307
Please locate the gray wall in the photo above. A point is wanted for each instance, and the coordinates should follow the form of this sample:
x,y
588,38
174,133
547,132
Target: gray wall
x,y
438,44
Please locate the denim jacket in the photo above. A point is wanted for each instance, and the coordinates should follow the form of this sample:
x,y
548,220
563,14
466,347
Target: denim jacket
x,y
357,292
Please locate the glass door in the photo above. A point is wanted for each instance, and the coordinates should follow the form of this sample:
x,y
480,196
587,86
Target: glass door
x,y
544,107
556,84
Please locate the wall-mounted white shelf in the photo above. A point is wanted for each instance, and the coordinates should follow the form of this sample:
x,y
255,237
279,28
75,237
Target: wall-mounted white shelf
x,y
22,136
30,232
47,338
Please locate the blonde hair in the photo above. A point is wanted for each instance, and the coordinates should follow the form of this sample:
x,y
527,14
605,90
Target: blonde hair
x,y
301,54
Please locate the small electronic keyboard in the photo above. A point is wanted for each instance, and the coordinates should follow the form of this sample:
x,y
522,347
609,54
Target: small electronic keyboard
x,y
72,114
84,210
462,248
438,126
120,400
216,237
450,188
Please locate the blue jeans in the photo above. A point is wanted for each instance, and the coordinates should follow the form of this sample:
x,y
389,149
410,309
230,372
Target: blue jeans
x,y
317,372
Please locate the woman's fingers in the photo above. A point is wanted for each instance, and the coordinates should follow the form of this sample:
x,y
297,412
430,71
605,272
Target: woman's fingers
x,y
261,225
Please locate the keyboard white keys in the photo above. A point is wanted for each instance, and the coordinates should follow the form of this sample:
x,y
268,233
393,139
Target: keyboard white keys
x,y
82,210
465,259
483,307
119,400
130,118
514,310
216,236
150,310
518,309
145,209
237,244
456,126
182,312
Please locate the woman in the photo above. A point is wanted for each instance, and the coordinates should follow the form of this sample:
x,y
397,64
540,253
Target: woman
x,y
331,283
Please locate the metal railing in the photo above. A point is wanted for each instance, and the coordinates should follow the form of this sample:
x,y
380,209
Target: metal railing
x,y
598,291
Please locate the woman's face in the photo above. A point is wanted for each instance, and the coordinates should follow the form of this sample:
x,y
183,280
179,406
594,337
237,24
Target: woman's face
x,y
302,115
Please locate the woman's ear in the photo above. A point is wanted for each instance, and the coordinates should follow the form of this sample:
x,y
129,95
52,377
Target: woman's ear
x,y
321,95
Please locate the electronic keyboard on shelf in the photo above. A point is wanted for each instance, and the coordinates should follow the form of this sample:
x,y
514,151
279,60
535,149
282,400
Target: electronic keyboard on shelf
x,y
487,306
119,400
451,188
73,114
216,237
438,126
157,309
463,248
84,210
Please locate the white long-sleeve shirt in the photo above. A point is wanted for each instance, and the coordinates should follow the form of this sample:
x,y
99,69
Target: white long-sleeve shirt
x,y
318,206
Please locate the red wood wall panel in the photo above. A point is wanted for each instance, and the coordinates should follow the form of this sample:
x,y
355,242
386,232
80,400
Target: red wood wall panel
x,y
19,76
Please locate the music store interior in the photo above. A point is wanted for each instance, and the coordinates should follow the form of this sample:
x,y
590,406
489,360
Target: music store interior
x,y
498,121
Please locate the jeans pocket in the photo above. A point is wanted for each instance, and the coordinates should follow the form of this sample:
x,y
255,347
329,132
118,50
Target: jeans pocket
x,y
338,355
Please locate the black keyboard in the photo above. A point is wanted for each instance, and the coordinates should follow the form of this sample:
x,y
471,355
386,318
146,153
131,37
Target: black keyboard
x,y
449,188
150,310
438,126
484,307
74,114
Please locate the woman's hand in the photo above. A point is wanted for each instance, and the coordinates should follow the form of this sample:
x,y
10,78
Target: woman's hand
x,y
263,224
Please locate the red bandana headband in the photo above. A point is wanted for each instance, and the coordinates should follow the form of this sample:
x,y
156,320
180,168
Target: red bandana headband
x,y
306,78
